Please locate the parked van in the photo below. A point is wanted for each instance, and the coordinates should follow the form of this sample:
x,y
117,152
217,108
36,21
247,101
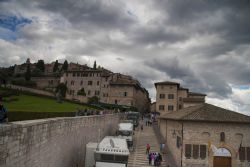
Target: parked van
x,y
112,152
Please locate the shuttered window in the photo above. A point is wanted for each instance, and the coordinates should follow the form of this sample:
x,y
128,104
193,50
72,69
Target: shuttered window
x,y
195,151
242,155
188,151
248,154
203,151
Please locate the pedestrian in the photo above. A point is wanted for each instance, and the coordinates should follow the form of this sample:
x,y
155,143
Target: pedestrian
x,y
160,159
147,148
3,112
149,158
141,126
153,159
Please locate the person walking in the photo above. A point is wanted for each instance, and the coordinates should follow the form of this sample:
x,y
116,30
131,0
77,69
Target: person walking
x,y
147,148
3,113
149,158
141,126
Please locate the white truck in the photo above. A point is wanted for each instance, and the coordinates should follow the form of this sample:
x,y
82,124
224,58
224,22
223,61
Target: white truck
x,y
112,152
125,131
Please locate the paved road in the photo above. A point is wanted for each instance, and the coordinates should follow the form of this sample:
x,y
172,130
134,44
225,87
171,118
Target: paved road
x,y
138,157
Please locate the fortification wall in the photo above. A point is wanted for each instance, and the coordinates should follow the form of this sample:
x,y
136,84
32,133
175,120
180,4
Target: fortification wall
x,y
57,142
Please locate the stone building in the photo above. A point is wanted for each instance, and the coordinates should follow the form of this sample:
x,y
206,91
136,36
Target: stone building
x,y
109,87
170,96
206,135
46,82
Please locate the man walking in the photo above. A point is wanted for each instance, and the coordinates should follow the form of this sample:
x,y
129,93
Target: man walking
x,y
3,113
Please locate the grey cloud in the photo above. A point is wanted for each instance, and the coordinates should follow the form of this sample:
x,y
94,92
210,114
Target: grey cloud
x,y
205,82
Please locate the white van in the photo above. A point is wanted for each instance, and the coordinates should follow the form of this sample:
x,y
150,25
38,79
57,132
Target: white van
x,y
112,152
125,131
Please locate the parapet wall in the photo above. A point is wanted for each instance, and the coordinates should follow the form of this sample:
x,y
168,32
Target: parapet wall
x,y
56,142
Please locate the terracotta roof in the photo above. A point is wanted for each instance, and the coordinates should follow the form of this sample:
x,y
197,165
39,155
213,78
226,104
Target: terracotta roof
x,y
196,94
193,100
181,88
167,83
207,113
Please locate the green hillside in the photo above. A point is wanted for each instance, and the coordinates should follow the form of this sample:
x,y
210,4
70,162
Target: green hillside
x,y
29,103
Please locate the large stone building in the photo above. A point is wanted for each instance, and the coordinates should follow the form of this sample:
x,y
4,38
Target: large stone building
x,y
170,96
111,88
206,135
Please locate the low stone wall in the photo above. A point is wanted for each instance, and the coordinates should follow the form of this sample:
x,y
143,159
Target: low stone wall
x,y
56,142
36,91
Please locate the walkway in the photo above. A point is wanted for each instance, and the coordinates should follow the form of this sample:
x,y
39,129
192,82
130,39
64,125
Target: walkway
x,y
138,157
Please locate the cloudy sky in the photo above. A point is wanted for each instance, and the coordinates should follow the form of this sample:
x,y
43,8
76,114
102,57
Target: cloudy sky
x,y
203,44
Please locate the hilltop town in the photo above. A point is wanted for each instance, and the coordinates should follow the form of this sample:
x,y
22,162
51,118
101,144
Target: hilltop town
x,y
82,83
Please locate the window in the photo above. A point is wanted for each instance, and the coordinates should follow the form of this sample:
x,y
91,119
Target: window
x,y
180,106
78,74
115,101
125,94
180,98
171,96
242,154
98,83
81,83
107,157
72,82
195,151
188,151
170,108
178,142
161,107
162,96
89,92
203,151
222,137
90,82
74,74
97,92
248,154
66,74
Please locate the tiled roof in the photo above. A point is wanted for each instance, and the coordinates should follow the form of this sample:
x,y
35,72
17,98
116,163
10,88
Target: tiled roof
x,y
193,100
207,113
167,83
196,94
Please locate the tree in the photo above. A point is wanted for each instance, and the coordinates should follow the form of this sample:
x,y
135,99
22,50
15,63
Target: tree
x,y
55,68
27,73
94,65
40,65
65,66
62,88
81,92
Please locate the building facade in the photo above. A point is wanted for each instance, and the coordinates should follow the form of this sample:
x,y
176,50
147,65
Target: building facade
x,y
111,88
170,96
206,135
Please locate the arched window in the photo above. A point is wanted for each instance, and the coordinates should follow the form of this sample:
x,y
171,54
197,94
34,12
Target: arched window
x,y
222,137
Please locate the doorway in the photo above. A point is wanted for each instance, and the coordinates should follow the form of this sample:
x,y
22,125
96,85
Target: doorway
x,y
222,158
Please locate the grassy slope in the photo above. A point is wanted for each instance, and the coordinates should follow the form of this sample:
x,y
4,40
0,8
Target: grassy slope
x,y
40,104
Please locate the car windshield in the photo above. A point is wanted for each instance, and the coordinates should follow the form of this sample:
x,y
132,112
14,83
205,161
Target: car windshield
x,y
125,133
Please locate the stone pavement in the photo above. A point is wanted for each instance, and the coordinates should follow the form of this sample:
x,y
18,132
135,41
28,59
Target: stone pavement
x,y
138,157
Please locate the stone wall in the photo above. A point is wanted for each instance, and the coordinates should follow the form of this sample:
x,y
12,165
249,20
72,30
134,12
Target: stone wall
x,y
57,142
36,91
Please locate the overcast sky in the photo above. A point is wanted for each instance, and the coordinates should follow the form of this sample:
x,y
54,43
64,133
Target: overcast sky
x,y
203,44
